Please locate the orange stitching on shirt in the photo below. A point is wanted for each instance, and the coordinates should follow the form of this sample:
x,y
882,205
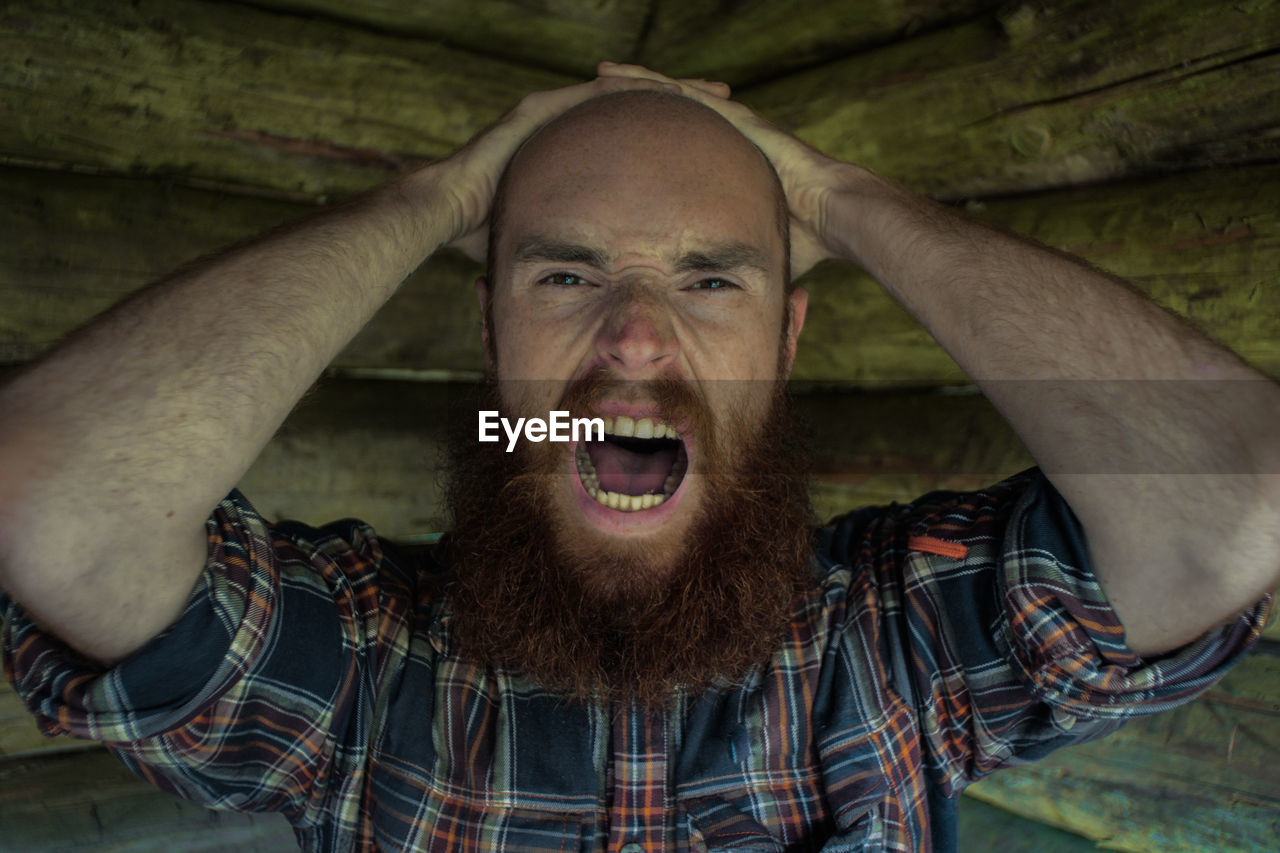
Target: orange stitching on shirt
x,y
934,545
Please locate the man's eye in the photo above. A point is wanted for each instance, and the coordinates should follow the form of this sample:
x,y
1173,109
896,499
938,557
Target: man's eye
x,y
713,284
564,279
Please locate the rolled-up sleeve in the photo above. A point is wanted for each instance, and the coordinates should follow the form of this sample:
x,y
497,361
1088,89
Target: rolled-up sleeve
x,y
995,629
1066,640
242,702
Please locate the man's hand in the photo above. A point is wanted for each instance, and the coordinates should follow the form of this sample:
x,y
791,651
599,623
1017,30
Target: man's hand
x,y
470,176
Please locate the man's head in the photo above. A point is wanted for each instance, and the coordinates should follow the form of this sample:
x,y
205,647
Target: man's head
x,y
638,273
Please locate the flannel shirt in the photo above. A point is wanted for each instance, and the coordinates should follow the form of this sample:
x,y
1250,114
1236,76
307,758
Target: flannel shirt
x,y
313,674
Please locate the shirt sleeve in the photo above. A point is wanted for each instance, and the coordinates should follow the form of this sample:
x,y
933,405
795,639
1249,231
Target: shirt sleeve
x,y
998,633
254,699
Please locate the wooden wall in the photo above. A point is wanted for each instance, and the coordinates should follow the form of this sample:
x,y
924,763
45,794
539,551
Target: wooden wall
x,y
1142,136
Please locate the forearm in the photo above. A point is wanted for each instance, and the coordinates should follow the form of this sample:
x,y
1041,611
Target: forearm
x,y
151,413
1162,442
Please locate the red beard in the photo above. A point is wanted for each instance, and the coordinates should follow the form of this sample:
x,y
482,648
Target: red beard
x,y
593,618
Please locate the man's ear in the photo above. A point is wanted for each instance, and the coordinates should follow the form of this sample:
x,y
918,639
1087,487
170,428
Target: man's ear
x,y
798,302
484,294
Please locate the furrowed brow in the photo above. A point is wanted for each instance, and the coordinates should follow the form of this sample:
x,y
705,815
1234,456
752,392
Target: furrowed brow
x,y
726,258
537,249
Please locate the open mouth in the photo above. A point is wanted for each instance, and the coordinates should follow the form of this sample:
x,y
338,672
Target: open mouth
x,y
638,466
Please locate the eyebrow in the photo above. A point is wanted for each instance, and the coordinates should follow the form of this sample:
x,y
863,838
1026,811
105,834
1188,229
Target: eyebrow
x,y
723,258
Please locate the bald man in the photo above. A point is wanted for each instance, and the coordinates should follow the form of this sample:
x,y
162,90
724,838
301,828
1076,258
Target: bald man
x,y
634,638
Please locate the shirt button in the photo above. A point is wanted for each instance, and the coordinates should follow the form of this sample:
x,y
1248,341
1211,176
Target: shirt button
x,y
631,848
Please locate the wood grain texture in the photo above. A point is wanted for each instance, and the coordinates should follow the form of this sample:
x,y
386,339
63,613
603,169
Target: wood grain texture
x,y
746,41
1060,93
88,801
236,94
1071,92
569,36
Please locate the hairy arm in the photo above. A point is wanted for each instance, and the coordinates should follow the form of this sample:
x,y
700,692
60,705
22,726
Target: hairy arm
x,y
115,447
1163,443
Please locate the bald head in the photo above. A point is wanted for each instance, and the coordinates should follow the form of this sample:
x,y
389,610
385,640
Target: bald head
x,y
637,147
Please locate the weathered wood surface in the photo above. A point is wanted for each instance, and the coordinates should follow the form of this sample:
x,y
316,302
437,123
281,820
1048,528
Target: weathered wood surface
x,y
747,41
1206,245
1063,92
1085,91
88,801
562,35
74,245
237,94
1203,777
984,827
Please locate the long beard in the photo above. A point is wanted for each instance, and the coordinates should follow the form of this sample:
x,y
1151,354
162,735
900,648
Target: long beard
x,y
596,620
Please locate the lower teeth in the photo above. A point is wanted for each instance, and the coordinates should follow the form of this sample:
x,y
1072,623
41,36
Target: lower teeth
x,y
627,503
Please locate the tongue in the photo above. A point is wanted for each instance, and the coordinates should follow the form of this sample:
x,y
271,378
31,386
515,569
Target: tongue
x,y
630,473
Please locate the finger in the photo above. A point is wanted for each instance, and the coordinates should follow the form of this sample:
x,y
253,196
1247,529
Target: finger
x,y
711,87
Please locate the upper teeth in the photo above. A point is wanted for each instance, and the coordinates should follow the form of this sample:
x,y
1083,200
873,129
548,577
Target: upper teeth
x,y
642,428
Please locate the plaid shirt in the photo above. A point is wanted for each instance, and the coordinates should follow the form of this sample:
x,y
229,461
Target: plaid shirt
x,y
313,674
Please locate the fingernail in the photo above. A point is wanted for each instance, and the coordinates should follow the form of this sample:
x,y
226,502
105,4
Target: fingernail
x,y
607,62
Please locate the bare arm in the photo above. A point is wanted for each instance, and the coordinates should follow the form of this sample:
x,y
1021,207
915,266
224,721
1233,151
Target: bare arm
x,y
1164,444
116,446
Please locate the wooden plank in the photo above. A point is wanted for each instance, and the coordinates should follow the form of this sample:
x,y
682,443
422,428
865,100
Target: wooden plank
x,y
746,41
561,35
88,801
76,245
237,94
986,827
1202,777
1061,93
1206,245
1084,91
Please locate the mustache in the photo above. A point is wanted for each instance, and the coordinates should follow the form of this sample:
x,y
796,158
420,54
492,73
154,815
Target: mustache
x,y
675,400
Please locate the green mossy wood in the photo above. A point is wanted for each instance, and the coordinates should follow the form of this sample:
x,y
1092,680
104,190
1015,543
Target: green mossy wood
x,y
269,100
1056,94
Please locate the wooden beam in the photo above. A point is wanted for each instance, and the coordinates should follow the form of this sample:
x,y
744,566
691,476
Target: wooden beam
x,y
560,35
1206,245
236,94
75,245
89,801
1060,93
742,42
1084,91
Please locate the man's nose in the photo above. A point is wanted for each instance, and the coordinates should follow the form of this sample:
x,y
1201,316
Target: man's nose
x,y
638,335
